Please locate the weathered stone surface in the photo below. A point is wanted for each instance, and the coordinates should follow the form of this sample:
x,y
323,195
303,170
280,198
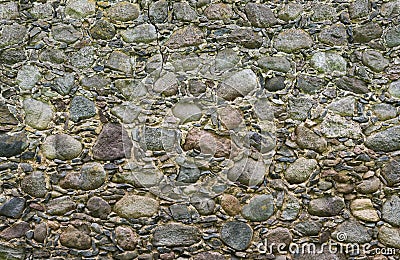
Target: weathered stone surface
x,y
142,33
112,143
184,12
334,35
237,235
127,112
167,84
123,11
375,61
278,236
61,146
91,176
291,208
98,207
275,84
290,11
392,36
60,206
277,63
80,8
239,84
83,58
230,204
218,11
367,32
15,231
65,33
74,238
391,210
335,126
248,172
9,11
386,140
7,119
28,76
299,107
260,15
246,37
42,10
13,208
133,206
329,62
308,228
307,139
323,12
102,30
310,84
326,206
292,40
158,11
37,114
344,106
207,143
259,208
364,210
359,8
119,61
12,34
126,238
389,236
209,256
35,184
40,232
13,144
355,233
384,111
352,84
230,117
300,170
391,172
81,108
187,36
12,56
175,235
370,185
187,111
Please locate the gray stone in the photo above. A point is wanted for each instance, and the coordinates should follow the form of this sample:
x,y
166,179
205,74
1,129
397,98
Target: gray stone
x,y
97,82
329,62
292,40
219,11
12,56
127,112
386,140
188,174
203,204
158,139
384,111
187,111
91,176
369,185
123,11
390,9
63,85
307,139
35,184
65,33
290,11
358,8
102,30
42,10
277,63
291,208
299,107
175,235
145,33
308,228
119,61
375,60
9,11
275,84
226,59
334,126
344,106
354,233
237,235
81,108
391,210
13,144
98,207
61,146
392,36
352,84
230,117
389,236
28,76
37,114
130,89
323,12
126,238
239,84
158,11
310,84
7,119
259,208
391,172
367,32
12,34
334,35
83,58
184,12
167,84
326,206
246,37
74,238
113,143
209,256
260,15
187,36
248,172
300,170
80,8
53,55
60,206
394,89
179,212
133,206
139,177
13,208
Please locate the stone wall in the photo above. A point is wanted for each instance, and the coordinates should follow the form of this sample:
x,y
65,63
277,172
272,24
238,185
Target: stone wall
x,y
198,129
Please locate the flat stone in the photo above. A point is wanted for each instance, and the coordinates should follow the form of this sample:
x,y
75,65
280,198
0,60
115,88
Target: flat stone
x,y
53,55
329,62
83,58
12,252
197,87
246,37
292,40
37,114
7,119
334,35
358,8
375,61
326,206
291,208
259,208
175,235
13,144
370,185
42,10
126,238
275,84
308,228
112,143
74,238
187,111
230,117
35,184
130,88
167,84
389,236
207,143
13,208
323,12
386,140
40,232
65,33
15,231
12,56
63,85
391,172
299,107
145,33
80,8
60,206
277,236
12,34
159,139
334,126
119,61
290,11
180,212
96,82
9,11
392,36
260,15
203,204
300,170
127,112
184,37
384,111
354,233
28,76
344,106
237,235
230,204
277,63
352,84
133,206
364,210
239,84
394,89
98,207
391,210
189,174
91,176
307,139
218,11
310,84
123,11
61,146
158,11
367,32
81,108
102,30
184,12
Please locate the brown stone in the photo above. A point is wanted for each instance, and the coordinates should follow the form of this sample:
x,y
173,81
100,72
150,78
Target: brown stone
x,y
184,37
40,232
218,11
74,238
17,230
207,143
230,204
126,238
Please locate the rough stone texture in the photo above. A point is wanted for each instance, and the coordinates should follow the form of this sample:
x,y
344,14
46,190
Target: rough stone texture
x,y
175,235
17,230
328,62
300,170
391,210
307,139
237,235
386,140
292,40
238,85
126,238
37,114
98,207
75,238
90,177
61,146
133,206
326,206
364,210
260,15
389,236
12,144
81,108
60,206
259,208
35,184
13,208
123,11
